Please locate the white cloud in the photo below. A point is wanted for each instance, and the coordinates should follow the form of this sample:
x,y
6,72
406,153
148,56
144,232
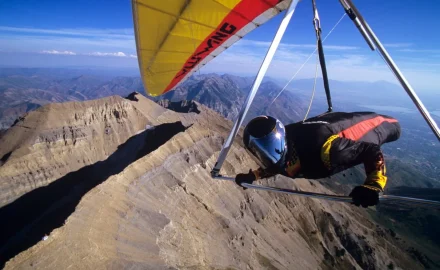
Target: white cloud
x,y
80,41
344,62
420,51
90,32
397,45
349,60
59,52
29,43
118,54
103,54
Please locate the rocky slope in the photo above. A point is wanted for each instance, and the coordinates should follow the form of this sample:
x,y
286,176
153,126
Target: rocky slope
x,y
124,183
59,138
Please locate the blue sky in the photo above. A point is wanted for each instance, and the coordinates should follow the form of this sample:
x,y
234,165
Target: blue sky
x,y
100,33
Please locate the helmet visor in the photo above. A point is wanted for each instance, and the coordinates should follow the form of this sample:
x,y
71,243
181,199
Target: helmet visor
x,y
271,148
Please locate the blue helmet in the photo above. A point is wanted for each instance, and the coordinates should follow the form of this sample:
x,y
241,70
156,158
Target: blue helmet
x,y
265,138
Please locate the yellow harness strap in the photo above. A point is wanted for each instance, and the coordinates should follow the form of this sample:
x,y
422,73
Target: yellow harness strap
x,y
325,151
375,178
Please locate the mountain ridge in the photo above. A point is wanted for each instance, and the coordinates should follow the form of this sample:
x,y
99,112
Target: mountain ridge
x,y
160,209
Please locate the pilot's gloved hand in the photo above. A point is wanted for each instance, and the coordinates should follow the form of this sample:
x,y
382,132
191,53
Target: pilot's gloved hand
x,y
248,178
365,195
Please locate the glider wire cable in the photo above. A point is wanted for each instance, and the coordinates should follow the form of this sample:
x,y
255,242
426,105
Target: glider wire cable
x,y
307,60
314,85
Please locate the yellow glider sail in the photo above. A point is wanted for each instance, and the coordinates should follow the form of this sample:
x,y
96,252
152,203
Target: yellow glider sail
x,y
174,38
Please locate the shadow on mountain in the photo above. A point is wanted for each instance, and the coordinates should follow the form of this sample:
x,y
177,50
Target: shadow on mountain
x,y
29,218
4,158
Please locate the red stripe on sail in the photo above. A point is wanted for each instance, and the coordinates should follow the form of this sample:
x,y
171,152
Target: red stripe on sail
x,y
242,14
358,130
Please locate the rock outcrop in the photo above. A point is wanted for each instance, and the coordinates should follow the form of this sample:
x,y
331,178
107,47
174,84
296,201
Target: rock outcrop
x,y
184,106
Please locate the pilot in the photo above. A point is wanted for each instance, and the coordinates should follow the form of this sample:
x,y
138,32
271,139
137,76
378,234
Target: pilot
x,y
323,146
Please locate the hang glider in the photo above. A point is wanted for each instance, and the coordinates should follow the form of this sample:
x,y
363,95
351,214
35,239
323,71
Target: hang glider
x,y
175,38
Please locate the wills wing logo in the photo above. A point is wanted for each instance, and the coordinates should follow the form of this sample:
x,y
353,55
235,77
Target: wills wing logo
x,y
217,38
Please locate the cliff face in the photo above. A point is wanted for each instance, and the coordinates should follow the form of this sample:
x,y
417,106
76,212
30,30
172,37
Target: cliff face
x,y
141,197
59,138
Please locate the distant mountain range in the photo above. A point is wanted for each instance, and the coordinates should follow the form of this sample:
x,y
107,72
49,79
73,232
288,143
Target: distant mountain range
x,y
226,94
223,93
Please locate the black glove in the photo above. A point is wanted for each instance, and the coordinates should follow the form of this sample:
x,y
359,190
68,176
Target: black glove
x,y
365,195
245,178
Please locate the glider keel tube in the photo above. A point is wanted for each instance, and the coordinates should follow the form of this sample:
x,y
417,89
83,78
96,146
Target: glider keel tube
x,y
346,199
261,72
293,192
